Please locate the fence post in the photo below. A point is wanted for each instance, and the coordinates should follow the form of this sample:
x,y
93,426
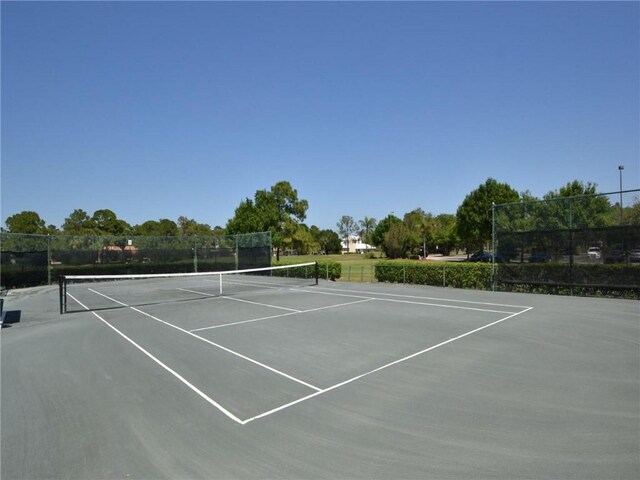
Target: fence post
x,y
444,274
571,247
48,259
195,255
493,246
237,259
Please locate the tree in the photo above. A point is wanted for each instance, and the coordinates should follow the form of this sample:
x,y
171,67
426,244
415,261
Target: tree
x,y
162,228
327,240
247,219
303,241
77,223
444,237
106,222
277,210
190,227
378,235
398,241
26,222
367,226
474,216
632,213
575,205
346,227
418,231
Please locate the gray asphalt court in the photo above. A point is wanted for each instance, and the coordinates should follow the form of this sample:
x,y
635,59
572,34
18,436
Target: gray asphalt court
x,y
336,380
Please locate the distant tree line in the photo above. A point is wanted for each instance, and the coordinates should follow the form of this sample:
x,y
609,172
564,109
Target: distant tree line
x,y
280,211
470,229
277,210
106,222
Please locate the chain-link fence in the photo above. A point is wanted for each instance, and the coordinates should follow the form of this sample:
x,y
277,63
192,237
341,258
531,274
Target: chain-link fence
x,y
583,245
29,260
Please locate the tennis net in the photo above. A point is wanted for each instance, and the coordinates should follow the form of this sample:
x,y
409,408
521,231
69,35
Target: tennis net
x,y
100,292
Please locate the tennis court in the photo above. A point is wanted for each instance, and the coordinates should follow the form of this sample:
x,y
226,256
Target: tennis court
x,y
185,378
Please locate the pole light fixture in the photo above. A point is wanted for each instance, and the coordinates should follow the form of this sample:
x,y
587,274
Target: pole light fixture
x,y
620,169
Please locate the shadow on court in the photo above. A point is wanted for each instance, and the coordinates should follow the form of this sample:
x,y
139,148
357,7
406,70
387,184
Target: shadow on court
x,y
10,317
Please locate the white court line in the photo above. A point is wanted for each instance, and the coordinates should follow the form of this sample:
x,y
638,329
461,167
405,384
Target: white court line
x,y
170,370
281,315
239,300
423,298
411,302
228,350
244,321
334,294
255,283
358,377
458,307
318,391
262,304
103,295
199,293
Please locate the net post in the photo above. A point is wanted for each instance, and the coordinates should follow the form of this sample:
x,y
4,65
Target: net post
x,y
316,272
62,293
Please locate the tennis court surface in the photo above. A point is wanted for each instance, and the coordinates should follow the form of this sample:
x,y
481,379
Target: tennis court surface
x,y
186,378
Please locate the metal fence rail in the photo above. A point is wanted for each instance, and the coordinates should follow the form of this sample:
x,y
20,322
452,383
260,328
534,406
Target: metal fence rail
x,y
29,260
576,245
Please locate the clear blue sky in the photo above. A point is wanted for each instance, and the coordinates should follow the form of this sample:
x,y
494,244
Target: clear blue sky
x,y
156,110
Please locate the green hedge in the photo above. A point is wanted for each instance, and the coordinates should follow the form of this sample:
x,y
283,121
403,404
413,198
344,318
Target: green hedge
x,y
329,270
616,280
449,274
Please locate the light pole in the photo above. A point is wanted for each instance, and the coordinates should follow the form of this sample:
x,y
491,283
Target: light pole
x,y
620,169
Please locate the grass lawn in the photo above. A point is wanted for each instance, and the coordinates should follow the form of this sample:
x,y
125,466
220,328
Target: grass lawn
x,y
355,267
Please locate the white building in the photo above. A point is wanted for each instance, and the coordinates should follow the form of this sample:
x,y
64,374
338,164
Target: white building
x,y
356,245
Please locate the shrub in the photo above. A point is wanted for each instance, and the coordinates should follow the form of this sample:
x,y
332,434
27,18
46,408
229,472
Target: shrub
x,y
458,275
330,270
616,281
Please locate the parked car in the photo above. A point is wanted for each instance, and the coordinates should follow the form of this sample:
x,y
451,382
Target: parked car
x,y
540,257
485,257
481,257
634,255
615,256
594,253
